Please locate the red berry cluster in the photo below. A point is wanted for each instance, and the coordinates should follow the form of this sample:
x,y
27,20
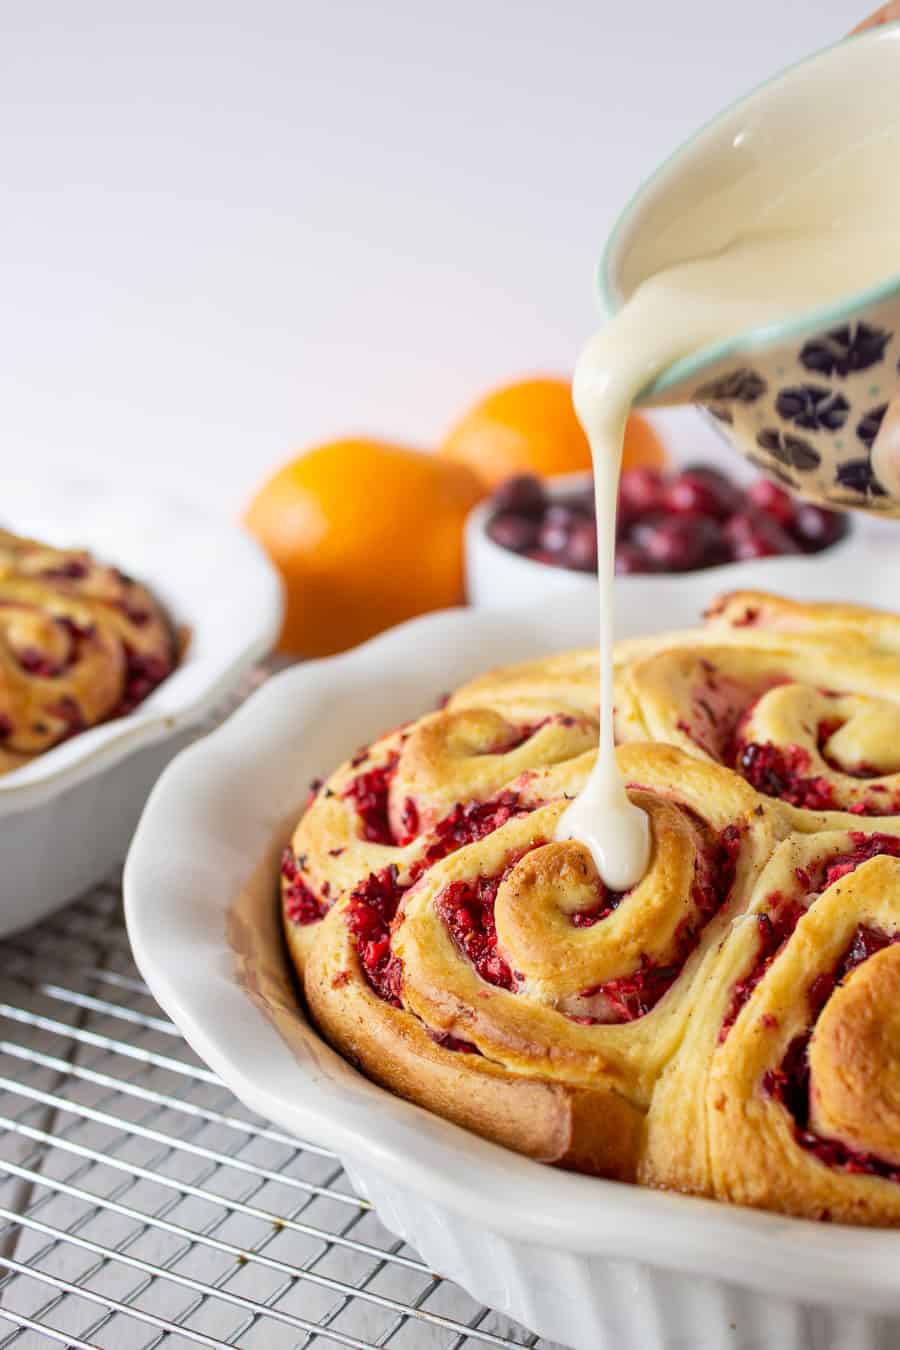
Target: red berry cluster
x,y
678,522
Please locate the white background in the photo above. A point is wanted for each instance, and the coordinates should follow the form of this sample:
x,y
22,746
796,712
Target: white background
x,y
229,230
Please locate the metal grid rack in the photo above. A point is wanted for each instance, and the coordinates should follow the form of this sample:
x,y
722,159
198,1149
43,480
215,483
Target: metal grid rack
x,y
142,1205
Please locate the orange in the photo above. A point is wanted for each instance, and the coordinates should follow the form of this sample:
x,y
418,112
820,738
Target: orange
x,y
531,427
365,534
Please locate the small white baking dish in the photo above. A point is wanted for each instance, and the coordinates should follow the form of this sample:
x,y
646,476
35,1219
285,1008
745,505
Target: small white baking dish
x,y
67,817
590,1263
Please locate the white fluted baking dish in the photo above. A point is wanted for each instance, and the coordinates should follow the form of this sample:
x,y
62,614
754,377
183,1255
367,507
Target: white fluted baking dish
x,y
593,1264
67,817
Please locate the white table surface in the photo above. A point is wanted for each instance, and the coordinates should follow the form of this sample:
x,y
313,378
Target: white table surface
x,y
231,229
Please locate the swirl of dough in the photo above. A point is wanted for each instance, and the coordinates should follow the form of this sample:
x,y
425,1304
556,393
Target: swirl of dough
x,y
416,795
509,956
812,721
80,642
784,1093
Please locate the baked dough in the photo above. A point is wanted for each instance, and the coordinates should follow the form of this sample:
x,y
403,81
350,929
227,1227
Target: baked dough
x,y
80,642
728,1027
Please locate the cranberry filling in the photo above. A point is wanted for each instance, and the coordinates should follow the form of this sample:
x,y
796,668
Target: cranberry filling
x,y
865,846
34,662
300,904
467,824
776,927
784,773
607,902
409,820
789,1083
6,727
68,711
143,673
374,903
633,996
371,911
447,1041
467,908
369,794
774,931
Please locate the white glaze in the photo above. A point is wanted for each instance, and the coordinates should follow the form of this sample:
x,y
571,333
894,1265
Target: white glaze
x,y
825,235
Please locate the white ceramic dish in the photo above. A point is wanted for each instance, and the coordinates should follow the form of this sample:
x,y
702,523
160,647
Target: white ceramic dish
x,y
589,1263
496,576
67,817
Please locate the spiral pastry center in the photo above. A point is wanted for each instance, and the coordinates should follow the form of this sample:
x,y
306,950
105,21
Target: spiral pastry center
x,y
854,1060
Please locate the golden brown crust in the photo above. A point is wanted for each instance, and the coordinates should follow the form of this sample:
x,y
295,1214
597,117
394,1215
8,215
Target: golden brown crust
x,y
554,1123
79,643
854,1060
726,1028
742,610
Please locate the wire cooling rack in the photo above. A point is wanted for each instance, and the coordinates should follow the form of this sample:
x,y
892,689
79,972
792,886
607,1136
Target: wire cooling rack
x,y
142,1205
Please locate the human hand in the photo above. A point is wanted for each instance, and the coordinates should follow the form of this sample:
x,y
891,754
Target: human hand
x,y
887,14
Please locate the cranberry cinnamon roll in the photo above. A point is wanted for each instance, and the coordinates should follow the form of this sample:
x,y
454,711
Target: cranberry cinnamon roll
x,y
416,795
784,1094
811,718
502,985
80,642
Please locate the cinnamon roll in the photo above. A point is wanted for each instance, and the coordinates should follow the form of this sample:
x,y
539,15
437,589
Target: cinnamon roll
x,y
784,1094
500,983
80,642
804,703
728,1026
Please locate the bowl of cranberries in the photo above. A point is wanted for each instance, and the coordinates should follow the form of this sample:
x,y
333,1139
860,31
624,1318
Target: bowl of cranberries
x,y
533,537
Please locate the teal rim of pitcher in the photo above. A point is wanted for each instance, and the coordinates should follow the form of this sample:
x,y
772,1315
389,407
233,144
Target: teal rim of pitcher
x,y
690,369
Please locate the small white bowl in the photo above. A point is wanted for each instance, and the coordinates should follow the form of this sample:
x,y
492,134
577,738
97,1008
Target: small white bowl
x,y
66,818
583,1261
496,576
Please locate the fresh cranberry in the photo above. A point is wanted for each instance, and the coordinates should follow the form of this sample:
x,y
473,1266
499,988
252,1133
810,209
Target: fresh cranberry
x,y
815,528
523,494
630,560
641,490
773,501
581,503
711,472
752,535
369,793
680,543
518,533
696,492
369,914
556,528
581,551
